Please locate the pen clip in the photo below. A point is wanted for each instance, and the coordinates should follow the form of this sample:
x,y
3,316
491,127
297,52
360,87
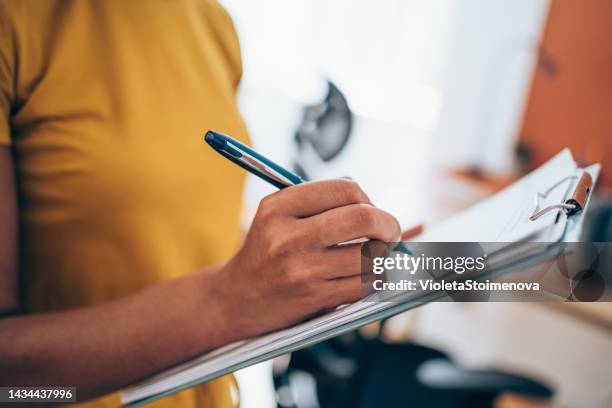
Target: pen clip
x,y
258,166
571,205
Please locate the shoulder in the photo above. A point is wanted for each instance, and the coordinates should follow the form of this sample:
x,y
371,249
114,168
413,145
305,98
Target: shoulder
x,y
219,21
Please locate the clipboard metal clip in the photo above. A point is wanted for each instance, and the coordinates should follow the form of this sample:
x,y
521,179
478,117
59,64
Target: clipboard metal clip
x,y
571,205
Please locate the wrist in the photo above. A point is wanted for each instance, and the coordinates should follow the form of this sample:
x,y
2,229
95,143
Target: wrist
x,y
218,307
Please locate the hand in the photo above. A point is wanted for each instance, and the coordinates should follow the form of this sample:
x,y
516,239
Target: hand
x,y
289,267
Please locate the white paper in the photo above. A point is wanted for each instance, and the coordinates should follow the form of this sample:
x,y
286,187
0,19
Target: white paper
x,y
502,218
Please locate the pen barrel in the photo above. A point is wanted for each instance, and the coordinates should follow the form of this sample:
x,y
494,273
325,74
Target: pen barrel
x,y
581,193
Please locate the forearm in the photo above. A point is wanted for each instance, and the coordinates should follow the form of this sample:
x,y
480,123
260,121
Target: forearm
x,y
103,348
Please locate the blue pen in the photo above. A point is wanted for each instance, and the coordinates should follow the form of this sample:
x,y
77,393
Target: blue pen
x,y
251,161
259,165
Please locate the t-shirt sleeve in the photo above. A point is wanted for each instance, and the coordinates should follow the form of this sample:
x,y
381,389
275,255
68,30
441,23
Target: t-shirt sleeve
x,y
6,79
222,23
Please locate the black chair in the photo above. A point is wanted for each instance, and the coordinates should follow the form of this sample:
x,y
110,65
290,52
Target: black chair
x,y
355,372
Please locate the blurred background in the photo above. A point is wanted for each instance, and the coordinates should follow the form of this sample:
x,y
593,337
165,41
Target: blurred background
x,y
432,106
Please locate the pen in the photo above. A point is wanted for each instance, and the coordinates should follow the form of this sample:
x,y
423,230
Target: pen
x,y
261,166
251,161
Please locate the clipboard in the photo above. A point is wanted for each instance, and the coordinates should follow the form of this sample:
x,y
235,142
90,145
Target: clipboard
x,y
515,201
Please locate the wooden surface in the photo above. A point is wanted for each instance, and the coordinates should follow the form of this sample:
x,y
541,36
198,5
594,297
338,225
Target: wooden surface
x,y
570,102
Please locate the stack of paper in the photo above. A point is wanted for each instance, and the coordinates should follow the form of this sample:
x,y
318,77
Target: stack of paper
x,y
502,220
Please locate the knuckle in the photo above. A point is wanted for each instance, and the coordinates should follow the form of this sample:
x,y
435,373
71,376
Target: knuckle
x,y
266,243
298,280
291,275
267,207
281,246
364,215
294,265
345,190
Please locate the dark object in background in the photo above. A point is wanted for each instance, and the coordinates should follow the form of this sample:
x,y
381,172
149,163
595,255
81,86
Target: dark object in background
x,y
590,283
353,372
325,129
598,222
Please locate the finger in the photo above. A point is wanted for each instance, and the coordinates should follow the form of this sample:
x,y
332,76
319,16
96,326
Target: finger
x,y
339,262
351,222
342,291
412,232
307,199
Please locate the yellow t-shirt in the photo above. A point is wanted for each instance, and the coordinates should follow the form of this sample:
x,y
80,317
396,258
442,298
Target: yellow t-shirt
x,y
105,104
